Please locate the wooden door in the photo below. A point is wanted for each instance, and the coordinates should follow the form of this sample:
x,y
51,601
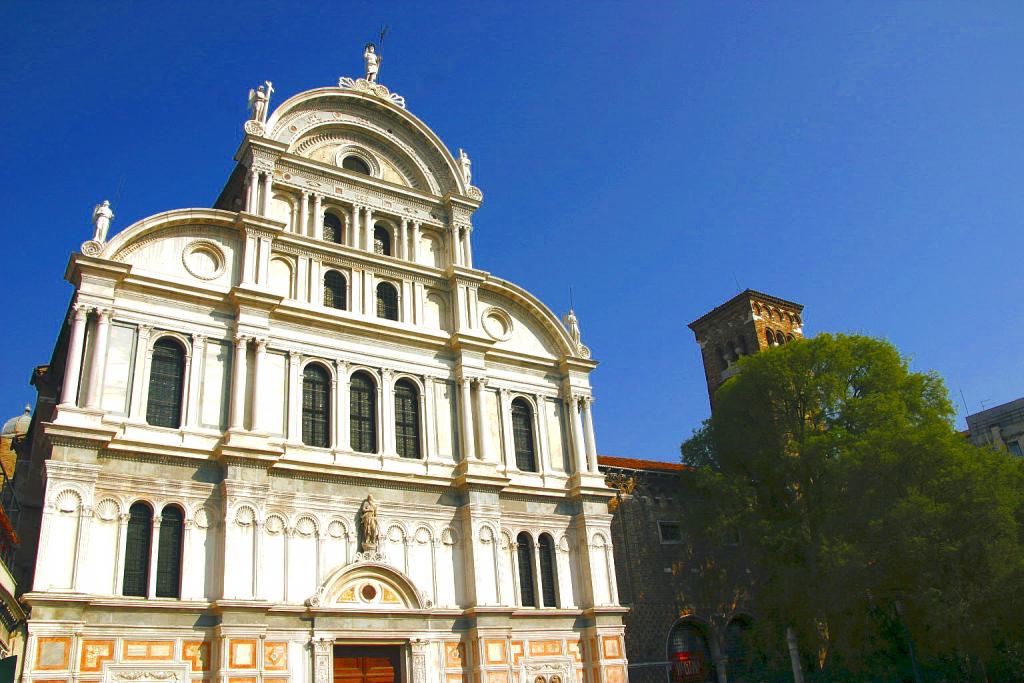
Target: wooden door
x,y
366,664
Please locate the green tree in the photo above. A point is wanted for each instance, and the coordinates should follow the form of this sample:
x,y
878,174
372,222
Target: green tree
x,y
869,524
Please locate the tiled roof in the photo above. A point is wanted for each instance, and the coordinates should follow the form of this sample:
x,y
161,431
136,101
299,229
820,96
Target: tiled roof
x,y
637,464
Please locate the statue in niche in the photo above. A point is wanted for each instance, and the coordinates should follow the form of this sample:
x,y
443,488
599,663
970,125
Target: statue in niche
x,y
372,62
368,524
467,172
102,214
259,101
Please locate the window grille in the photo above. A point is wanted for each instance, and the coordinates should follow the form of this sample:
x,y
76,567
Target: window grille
x,y
524,551
522,435
316,405
353,163
166,378
546,548
363,414
136,551
332,228
407,419
168,559
387,301
381,240
334,290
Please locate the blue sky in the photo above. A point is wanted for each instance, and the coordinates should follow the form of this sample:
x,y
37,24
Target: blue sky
x,y
865,159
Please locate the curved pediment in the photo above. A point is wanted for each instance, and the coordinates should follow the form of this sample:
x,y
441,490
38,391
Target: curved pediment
x,y
368,586
317,123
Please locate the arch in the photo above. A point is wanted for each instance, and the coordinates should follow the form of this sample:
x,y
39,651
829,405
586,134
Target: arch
x,y
407,418
383,242
354,163
523,435
166,383
280,277
170,552
335,290
306,525
689,651
391,589
138,538
769,337
387,301
363,412
333,227
316,406
548,570
524,556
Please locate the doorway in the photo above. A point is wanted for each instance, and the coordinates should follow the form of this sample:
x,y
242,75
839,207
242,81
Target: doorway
x,y
367,664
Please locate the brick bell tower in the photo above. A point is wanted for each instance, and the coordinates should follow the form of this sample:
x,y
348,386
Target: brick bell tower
x,y
745,324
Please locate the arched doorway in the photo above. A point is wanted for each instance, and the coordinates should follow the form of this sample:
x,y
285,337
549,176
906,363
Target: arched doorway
x,y
689,654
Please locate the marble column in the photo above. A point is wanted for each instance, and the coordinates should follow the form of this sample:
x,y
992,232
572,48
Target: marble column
x,y
317,231
193,380
588,433
303,227
368,230
456,237
414,243
578,445
154,546
343,407
73,365
252,190
268,179
139,374
258,364
483,422
403,239
467,244
388,411
466,420
507,441
294,398
353,229
94,395
238,371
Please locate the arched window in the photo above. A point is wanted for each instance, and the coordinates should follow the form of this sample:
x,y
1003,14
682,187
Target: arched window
x,y
739,652
387,301
407,419
332,228
166,381
524,552
381,240
168,558
769,337
363,413
136,550
522,435
334,290
689,655
316,406
546,548
354,163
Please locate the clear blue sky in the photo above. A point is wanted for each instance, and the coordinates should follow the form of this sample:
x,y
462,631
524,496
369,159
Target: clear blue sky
x,y
863,158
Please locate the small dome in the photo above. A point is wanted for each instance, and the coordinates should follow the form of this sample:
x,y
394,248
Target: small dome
x,y
18,425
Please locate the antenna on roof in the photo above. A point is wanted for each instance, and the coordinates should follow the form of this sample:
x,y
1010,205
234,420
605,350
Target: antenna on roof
x,y
736,280
383,32
963,400
571,302
120,188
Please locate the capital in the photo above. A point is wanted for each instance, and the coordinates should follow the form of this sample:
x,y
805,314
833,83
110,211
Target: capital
x,y
81,311
480,383
241,340
104,314
261,344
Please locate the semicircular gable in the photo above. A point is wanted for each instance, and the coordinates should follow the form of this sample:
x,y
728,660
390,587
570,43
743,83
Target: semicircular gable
x,y
368,585
535,329
328,142
305,114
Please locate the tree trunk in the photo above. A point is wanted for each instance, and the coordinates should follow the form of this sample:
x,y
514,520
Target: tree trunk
x,y
794,655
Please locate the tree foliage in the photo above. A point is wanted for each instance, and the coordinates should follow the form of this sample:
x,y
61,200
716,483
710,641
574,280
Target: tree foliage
x,y
869,524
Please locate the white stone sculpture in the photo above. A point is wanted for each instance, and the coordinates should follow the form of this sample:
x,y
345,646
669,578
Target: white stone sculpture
x,y
259,102
102,214
368,522
573,325
467,171
372,62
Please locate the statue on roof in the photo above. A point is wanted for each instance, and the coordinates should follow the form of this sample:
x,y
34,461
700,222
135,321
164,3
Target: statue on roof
x,y
372,62
102,214
259,102
467,171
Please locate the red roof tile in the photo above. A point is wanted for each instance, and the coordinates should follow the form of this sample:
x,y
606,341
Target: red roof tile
x,y
637,464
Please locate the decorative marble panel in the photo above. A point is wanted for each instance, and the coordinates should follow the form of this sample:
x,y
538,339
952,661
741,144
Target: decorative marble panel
x,y
53,654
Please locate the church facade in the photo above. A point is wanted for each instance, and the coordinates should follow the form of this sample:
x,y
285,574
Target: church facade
x,y
300,436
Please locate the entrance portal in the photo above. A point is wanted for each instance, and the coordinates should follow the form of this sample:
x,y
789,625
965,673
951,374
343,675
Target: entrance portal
x,y
367,664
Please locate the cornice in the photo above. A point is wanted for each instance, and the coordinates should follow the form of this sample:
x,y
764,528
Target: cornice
x,y
80,265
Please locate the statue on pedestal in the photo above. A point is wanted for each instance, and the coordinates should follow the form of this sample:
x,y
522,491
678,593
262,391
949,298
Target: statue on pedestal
x,y
368,524
102,214
467,171
372,62
259,102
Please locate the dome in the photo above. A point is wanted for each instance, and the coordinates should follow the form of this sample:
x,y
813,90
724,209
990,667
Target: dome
x,y
18,425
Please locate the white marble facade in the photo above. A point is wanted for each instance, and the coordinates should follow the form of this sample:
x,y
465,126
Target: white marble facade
x,y
273,573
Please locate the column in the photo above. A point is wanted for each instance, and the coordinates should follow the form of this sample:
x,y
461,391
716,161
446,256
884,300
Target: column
x,y
238,370
429,420
258,363
294,398
154,545
414,246
317,232
456,237
303,226
368,230
403,239
140,374
122,541
332,416
483,421
268,178
578,447
418,298
588,433
388,411
252,190
342,407
369,295
405,302
194,379
99,359
467,257
466,420
73,365
505,411
352,239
